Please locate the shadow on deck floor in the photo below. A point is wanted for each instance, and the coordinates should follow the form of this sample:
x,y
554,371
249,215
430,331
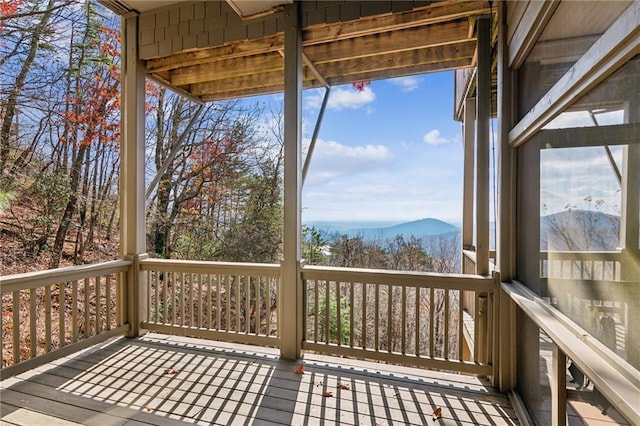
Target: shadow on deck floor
x,y
167,380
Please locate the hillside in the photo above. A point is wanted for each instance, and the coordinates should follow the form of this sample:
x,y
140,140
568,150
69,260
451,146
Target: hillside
x,y
419,228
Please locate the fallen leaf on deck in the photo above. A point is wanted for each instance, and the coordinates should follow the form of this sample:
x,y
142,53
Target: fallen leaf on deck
x,y
170,371
327,394
149,408
300,369
437,413
343,386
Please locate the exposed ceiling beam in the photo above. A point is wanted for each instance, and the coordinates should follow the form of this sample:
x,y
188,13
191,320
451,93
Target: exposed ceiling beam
x,y
436,13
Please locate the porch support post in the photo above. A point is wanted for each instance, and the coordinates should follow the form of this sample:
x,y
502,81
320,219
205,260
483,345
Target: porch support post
x,y
505,254
291,289
483,101
132,185
467,195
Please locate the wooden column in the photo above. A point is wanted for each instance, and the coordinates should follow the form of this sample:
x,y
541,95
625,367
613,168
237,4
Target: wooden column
x,y
558,387
469,159
483,110
132,183
290,323
505,246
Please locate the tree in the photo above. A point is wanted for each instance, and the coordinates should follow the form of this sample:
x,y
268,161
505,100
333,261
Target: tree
x,y
10,103
92,113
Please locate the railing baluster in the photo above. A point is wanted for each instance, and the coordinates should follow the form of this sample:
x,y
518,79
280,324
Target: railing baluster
x,y
74,312
247,309
273,307
418,301
16,326
376,318
183,299
201,288
403,348
446,323
61,311
218,303
316,308
227,293
258,304
460,325
209,301
173,302
87,307
193,283
338,313
97,283
389,319
107,279
305,311
120,279
150,308
237,294
32,322
47,318
364,315
326,311
351,315
165,298
156,285
432,328
476,328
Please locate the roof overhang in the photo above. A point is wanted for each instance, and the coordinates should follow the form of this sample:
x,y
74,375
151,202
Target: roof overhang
x,y
244,8
402,40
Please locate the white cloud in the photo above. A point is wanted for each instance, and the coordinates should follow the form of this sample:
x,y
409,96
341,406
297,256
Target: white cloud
x,y
407,84
384,184
433,137
345,97
332,159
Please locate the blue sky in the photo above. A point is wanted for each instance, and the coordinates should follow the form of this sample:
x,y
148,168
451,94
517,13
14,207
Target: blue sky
x,y
389,153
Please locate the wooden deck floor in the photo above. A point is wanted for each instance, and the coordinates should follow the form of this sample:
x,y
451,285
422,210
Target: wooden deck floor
x,y
163,380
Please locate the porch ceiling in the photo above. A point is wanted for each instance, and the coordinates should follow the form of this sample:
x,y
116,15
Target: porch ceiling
x,y
433,36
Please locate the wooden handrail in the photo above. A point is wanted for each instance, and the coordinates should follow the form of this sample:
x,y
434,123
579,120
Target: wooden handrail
x,y
85,303
397,316
614,378
195,266
17,282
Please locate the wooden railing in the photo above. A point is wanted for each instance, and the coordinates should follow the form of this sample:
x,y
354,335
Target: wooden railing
x,y
224,301
469,267
402,317
615,379
589,265
49,314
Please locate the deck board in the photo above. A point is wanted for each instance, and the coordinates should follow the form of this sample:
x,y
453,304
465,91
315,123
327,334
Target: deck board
x,y
126,382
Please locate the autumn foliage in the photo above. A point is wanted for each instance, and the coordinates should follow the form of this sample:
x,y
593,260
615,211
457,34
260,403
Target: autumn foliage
x,y
8,8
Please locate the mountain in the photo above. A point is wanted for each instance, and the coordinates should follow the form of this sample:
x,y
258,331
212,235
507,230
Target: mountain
x,y
418,228
579,230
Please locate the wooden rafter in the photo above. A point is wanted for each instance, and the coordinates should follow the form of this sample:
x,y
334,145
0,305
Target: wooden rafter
x,y
439,36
